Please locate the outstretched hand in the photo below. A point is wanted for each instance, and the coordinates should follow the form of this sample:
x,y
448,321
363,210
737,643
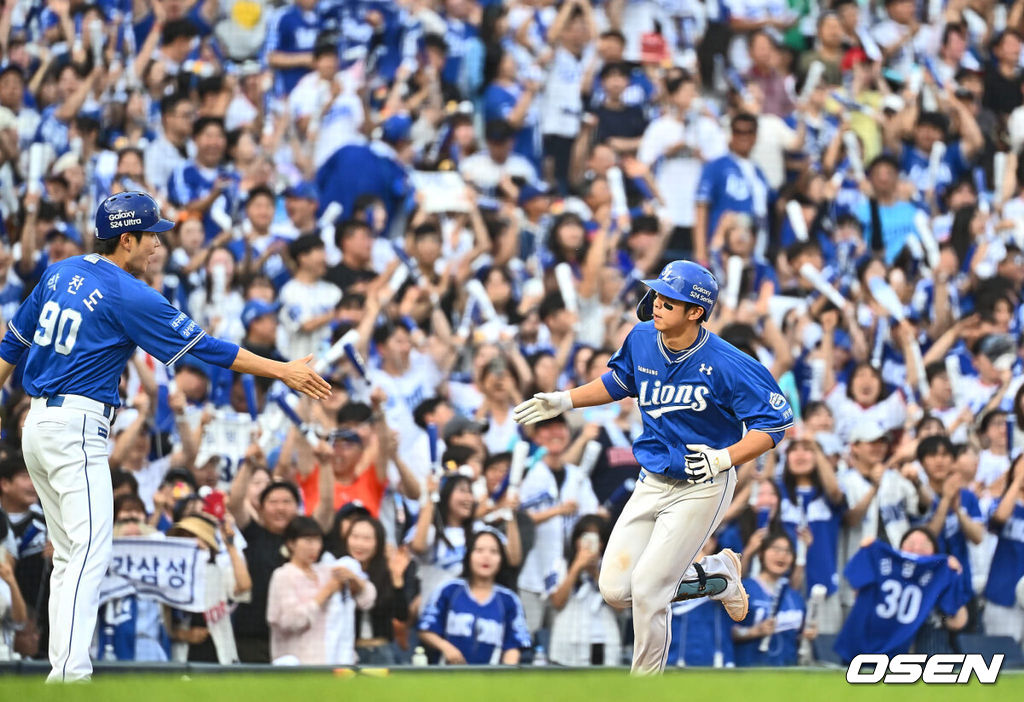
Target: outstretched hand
x,y
543,405
299,376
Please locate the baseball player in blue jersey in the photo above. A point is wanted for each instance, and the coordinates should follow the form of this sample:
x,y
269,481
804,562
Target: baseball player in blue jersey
x,y
694,391
74,334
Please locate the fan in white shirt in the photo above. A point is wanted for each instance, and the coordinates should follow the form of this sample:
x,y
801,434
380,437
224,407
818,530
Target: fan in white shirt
x,y
325,107
675,146
308,302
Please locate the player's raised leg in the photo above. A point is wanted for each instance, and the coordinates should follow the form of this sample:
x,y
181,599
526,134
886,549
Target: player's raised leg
x,y
685,519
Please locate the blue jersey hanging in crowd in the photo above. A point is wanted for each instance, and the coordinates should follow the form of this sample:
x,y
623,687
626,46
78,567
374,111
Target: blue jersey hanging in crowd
x,y
896,592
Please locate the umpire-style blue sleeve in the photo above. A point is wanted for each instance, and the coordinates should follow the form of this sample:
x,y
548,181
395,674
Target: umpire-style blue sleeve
x,y
20,330
157,327
758,401
620,381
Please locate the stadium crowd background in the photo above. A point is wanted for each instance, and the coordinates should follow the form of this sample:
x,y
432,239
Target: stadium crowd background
x,y
473,149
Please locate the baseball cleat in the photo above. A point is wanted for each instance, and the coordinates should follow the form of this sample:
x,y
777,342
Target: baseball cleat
x,y
734,597
701,586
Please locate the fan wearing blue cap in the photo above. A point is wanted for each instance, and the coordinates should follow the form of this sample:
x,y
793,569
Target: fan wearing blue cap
x,y
697,391
73,336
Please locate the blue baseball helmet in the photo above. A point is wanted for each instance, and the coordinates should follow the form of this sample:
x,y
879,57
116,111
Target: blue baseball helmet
x,y
685,281
129,212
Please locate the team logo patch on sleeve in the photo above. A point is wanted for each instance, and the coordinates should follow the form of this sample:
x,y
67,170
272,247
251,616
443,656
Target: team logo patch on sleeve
x,y
777,401
184,326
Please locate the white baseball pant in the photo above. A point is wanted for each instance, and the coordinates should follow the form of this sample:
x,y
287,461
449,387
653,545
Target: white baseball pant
x,y
651,550
65,451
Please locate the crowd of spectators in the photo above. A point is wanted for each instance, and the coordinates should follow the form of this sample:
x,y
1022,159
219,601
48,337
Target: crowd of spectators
x,y
472,191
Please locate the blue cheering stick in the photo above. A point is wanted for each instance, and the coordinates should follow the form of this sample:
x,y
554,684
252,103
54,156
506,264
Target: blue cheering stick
x,y
850,105
404,257
361,383
736,81
776,605
305,429
251,404
435,460
929,66
249,385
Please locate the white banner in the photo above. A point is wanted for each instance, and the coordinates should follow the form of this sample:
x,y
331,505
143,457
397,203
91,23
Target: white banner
x,y
170,570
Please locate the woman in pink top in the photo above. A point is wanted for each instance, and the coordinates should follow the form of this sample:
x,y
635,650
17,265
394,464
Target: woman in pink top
x,y
299,593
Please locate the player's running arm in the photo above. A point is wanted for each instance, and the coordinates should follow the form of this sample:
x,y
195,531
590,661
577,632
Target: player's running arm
x,y
545,405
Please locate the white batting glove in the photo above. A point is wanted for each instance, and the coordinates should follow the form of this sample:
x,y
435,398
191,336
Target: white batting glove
x,y
543,405
703,463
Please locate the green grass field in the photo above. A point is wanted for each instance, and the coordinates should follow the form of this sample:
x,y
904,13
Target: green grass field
x,y
523,686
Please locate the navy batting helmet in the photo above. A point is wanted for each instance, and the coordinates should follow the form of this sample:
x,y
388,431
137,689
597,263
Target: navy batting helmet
x,y
129,212
685,281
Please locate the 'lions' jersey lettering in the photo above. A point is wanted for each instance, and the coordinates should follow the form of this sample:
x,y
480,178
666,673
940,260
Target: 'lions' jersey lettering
x,y
710,393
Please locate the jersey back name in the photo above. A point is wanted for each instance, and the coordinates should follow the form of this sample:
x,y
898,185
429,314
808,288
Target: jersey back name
x,y
82,323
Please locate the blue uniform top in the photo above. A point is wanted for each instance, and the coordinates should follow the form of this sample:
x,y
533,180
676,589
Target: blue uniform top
x,y
292,30
710,393
81,324
725,187
789,622
896,592
1008,560
482,632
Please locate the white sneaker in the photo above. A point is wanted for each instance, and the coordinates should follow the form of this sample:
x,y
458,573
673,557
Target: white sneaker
x,y
734,597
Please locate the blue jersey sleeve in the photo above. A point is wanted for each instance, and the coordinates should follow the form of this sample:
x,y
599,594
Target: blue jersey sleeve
x,y
436,610
157,327
216,351
18,336
957,594
970,503
620,381
861,570
517,634
758,401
